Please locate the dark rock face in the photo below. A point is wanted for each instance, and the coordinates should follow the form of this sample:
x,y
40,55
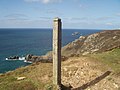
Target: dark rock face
x,y
94,43
33,58
28,57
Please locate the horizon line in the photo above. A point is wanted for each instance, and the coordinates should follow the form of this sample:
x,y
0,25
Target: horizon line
x,y
62,28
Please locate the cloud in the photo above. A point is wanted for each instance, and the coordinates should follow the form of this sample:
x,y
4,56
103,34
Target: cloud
x,y
82,18
109,24
16,17
54,12
104,18
118,14
44,1
45,18
25,23
76,19
80,5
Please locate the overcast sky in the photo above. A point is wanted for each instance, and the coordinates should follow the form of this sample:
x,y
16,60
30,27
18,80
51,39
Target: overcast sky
x,y
80,14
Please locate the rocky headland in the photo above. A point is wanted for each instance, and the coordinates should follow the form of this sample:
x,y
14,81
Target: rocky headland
x,y
94,43
90,62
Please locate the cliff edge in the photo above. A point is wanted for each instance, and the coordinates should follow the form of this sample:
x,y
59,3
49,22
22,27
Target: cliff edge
x,y
94,43
99,71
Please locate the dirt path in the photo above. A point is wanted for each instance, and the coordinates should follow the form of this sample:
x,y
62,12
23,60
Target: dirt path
x,y
85,74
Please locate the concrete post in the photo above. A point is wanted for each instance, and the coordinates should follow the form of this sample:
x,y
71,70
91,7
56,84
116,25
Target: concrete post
x,y
57,51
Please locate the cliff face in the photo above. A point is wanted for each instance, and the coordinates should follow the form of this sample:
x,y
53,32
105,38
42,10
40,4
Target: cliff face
x,y
94,43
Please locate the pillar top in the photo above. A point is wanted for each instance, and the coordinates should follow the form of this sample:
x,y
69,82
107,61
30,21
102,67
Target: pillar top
x,y
57,19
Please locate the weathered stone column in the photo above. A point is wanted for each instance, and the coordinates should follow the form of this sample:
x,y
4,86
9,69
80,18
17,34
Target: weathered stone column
x,y
57,51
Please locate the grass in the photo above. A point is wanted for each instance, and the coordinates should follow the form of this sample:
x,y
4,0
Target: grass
x,y
11,83
110,58
39,75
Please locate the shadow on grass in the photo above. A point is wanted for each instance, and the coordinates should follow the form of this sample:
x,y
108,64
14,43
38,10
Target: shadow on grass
x,y
66,87
93,82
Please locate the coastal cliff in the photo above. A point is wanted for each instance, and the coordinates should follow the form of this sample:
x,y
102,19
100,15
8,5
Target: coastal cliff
x,y
95,70
94,43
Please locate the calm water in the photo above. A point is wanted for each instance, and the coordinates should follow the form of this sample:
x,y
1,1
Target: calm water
x,y
30,41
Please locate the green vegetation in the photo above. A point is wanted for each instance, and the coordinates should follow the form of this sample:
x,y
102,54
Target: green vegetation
x,y
110,58
39,75
11,83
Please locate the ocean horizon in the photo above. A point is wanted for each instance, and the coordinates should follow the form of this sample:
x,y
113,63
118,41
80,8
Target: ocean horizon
x,y
23,41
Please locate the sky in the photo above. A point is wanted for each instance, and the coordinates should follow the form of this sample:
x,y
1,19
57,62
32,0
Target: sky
x,y
77,14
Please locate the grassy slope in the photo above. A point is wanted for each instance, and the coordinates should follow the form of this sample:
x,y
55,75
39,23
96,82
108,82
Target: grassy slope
x,y
110,59
39,75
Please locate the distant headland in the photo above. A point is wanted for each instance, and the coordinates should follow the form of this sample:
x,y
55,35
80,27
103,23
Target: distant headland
x,y
95,43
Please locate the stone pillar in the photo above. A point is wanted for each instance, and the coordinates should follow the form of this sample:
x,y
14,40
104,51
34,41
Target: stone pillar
x,y
57,51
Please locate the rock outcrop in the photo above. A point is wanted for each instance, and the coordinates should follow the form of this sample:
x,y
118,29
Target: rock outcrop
x,y
33,58
94,43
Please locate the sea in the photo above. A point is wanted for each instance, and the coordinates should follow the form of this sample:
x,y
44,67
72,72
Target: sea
x,y
20,42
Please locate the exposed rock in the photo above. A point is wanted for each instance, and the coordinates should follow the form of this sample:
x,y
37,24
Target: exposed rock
x,y
29,56
21,78
116,86
33,58
94,43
